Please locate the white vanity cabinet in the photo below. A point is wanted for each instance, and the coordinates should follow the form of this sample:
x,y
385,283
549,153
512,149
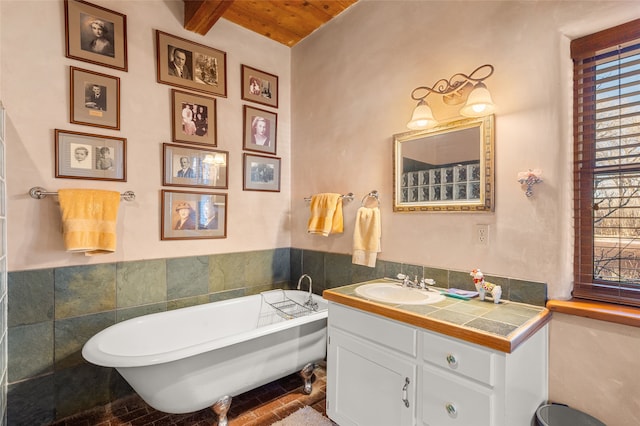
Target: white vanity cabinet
x,y
450,381
371,370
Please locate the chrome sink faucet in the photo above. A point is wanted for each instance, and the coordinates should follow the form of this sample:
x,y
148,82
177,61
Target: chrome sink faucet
x,y
310,302
406,282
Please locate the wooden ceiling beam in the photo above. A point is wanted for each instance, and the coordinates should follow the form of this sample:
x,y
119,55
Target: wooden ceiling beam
x,y
201,15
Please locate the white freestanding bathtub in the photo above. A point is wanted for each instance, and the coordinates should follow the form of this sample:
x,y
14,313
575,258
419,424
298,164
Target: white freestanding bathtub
x,y
191,358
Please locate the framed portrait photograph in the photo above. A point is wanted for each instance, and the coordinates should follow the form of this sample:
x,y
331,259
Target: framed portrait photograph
x,y
189,215
88,156
259,87
190,65
260,130
261,173
198,167
193,118
95,99
95,34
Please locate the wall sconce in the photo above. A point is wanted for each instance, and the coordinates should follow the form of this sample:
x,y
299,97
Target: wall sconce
x,y
458,89
528,179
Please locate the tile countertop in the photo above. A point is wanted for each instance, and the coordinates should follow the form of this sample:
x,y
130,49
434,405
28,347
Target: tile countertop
x,y
502,326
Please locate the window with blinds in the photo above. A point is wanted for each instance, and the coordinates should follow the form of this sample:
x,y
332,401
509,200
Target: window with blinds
x,y
606,165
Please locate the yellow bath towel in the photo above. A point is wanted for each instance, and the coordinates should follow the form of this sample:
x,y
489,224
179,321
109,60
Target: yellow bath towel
x,y
89,220
326,215
366,237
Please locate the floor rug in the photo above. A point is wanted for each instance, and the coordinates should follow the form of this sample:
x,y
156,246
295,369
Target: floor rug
x,y
305,416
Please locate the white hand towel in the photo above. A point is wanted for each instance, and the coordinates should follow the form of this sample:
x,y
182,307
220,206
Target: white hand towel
x,y
366,237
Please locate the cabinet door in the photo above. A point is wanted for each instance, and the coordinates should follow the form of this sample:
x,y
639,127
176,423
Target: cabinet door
x,y
449,400
367,385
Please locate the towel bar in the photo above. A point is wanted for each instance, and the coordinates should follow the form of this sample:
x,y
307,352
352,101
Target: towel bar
x,y
39,193
348,197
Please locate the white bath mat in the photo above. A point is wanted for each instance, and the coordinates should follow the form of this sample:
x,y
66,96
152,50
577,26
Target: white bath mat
x,y
305,416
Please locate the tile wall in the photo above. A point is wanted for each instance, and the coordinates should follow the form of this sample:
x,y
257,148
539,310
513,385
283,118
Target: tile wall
x,y
53,312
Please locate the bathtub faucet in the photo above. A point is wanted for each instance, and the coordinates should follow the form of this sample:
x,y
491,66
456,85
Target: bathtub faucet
x,y
310,302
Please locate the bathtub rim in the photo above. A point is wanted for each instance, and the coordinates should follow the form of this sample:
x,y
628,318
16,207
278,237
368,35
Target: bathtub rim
x,y
93,353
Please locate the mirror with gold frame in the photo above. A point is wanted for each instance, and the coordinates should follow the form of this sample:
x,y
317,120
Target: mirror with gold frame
x,y
449,168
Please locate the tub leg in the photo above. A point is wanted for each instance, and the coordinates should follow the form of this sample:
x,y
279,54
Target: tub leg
x,y
221,408
307,374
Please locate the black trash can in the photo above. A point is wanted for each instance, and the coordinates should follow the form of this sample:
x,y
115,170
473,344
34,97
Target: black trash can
x,y
563,415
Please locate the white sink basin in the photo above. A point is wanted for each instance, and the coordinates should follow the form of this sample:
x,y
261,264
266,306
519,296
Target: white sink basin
x,y
387,292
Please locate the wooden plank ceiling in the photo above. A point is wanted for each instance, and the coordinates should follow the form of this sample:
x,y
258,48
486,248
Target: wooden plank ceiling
x,y
285,21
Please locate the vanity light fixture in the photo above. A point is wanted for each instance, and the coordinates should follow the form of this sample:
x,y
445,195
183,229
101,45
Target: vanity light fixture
x,y
454,91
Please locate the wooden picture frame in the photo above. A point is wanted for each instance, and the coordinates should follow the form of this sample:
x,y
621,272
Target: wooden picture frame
x,y
259,86
196,167
94,99
204,69
95,34
191,215
261,173
260,130
193,118
88,156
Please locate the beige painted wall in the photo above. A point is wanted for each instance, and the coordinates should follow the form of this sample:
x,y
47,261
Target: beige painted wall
x,y
351,92
35,74
594,368
351,85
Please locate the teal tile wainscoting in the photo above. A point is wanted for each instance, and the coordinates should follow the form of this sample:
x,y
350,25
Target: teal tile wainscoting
x,y
53,312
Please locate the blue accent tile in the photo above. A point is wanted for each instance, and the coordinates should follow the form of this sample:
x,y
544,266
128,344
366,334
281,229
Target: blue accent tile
x,y
281,265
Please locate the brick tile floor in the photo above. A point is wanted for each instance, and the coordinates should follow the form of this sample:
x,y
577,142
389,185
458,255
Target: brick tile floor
x,y
259,407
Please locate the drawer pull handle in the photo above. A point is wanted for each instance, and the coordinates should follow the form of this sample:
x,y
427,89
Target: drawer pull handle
x,y
452,361
405,392
451,409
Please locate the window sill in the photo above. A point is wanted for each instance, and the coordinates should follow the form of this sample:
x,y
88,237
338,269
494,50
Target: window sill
x,y
626,315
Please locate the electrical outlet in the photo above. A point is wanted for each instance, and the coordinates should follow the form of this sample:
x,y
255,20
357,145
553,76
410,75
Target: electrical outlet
x,y
482,234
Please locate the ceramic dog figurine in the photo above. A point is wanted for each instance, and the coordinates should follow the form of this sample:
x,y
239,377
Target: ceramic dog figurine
x,y
484,287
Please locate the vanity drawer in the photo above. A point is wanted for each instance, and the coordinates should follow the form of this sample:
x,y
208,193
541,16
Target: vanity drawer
x,y
382,331
463,358
447,400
